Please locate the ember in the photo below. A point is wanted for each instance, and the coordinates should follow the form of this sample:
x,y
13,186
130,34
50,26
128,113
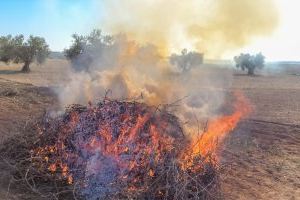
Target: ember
x,y
110,148
125,150
115,149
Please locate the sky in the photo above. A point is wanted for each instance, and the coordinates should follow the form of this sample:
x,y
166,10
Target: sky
x,y
284,43
57,20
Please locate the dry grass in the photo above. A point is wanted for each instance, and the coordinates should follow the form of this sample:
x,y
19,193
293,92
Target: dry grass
x,y
52,73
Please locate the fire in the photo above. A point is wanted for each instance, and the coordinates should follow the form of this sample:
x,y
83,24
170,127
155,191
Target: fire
x,y
52,168
128,144
218,128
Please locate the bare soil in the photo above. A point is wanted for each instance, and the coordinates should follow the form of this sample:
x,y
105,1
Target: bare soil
x,y
261,156
21,103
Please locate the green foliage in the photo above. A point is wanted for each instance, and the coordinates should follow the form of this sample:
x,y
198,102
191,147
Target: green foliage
x,y
250,62
8,47
17,50
77,48
186,60
85,49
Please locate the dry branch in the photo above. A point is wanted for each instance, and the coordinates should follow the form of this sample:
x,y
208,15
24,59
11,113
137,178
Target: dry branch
x,y
115,150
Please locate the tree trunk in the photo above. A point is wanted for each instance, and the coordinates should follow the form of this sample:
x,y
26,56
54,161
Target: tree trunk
x,y
26,68
250,71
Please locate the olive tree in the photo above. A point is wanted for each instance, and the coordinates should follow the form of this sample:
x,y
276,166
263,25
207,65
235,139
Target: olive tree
x,y
17,50
249,62
186,60
98,51
85,49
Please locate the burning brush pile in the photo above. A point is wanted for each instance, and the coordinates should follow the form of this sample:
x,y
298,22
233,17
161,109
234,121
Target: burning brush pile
x,y
117,150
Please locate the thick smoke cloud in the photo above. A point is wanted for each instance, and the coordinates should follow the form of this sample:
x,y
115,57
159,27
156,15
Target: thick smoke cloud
x,y
214,27
137,68
130,71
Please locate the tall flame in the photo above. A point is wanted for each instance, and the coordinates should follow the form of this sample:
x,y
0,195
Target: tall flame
x,y
218,128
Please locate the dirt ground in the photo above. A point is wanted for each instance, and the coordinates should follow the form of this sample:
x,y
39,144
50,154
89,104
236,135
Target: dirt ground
x,y
262,155
27,96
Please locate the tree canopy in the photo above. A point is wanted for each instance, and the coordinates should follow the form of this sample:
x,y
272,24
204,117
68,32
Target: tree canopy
x,y
85,49
186,60
17,50
250,62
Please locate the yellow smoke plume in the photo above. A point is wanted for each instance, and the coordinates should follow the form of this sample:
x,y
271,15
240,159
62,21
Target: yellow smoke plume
x,y
214,27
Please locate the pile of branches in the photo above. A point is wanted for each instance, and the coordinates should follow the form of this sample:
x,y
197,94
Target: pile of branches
x,y
113,150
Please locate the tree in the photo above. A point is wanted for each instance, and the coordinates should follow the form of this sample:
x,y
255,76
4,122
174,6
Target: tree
x,y
250,62
97,51
85,49
76,49
15,49
186,60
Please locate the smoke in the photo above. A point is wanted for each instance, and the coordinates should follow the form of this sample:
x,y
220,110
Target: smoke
x,y
130,71
214,27
136,67
234,24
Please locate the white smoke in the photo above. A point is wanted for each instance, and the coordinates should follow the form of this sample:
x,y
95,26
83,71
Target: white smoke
x,y
129,71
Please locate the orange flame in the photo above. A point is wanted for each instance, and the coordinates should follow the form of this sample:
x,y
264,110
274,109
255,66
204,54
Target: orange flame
x,y
141,137
219,128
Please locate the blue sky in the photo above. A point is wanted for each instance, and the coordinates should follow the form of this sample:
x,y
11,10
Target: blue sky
x,y
56,20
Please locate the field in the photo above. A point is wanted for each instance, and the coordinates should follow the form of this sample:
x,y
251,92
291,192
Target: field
x,y
262,155
264,150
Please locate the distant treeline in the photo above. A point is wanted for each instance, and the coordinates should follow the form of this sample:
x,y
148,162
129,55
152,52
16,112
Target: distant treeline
x,y
56,55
